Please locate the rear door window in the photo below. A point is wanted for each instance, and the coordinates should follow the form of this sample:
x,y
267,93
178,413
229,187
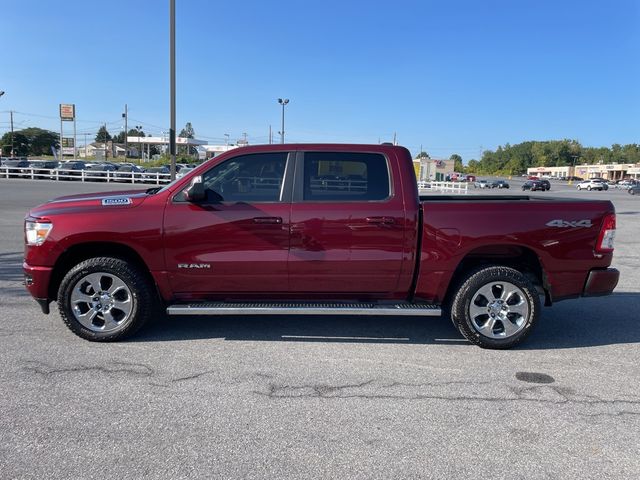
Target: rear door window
x,y
345,177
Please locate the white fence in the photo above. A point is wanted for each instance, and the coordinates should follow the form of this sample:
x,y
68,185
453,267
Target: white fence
x,y
446,187
84,175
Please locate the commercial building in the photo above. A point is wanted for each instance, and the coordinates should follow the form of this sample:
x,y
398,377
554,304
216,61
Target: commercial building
x,y
611,171
433,169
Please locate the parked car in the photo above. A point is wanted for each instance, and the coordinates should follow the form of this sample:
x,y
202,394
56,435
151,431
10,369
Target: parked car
x,y
204,246
71,169
634,190
127,172
44,168
481,184
100,171
533,185
154,174
593,184
626,184
499,184
17,167
545,184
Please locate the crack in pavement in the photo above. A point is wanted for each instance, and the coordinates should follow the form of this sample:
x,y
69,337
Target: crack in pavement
x,y
116,368
373,389
195,376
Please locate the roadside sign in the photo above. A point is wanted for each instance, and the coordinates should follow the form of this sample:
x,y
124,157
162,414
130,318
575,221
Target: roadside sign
x,y
68,142
67,111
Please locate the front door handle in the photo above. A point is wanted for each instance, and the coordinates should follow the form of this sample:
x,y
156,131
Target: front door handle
x,y
381,220
268,220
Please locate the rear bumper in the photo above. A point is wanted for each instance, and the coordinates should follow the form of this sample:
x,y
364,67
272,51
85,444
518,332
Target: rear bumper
x,y
600,282
36,279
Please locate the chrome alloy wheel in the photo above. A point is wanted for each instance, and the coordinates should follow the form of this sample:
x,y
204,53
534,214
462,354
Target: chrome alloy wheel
x,y
499,310
101,302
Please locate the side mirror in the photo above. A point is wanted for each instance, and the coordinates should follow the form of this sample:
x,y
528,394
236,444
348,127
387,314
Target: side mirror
x,y
195,192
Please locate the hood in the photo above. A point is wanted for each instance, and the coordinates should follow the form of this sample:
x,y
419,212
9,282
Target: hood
x,y
91,202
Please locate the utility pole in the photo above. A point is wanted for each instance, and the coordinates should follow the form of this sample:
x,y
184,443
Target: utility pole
x,y
85,146
105,141
226,139
172,75
126,132
244,136
394,139
270,137
11,113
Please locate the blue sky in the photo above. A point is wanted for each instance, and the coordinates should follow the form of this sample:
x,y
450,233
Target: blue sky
x,y
452,76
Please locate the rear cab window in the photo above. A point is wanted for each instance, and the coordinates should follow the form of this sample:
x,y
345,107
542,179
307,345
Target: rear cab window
x,y
345,177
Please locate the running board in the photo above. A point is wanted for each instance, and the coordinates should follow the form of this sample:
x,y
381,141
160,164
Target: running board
x,y
223,308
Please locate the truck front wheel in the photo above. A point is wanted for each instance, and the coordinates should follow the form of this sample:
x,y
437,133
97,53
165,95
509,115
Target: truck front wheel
x,y
105,299
495,307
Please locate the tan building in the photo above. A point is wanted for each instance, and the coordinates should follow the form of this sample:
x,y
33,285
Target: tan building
x,y
434,169
611,171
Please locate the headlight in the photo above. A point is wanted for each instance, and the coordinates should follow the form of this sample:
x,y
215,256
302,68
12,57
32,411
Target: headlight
x,y
37,232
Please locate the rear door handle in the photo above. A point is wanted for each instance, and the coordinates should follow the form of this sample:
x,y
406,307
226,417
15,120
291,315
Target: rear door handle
x,y
268,220
381,220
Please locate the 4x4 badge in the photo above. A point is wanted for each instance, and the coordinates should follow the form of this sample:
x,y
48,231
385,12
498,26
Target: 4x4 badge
x,y
569,224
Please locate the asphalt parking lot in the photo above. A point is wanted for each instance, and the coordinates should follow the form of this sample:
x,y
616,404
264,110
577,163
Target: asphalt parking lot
x,y
316,397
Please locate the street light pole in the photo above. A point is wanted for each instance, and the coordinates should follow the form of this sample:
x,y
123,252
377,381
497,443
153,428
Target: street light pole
x,y
282,102
172,75
139,130
11,113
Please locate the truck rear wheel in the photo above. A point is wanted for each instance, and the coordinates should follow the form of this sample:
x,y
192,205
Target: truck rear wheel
x,y
496,307
105,299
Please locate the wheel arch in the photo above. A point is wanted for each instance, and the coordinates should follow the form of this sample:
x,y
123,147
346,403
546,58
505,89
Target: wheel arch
x,y
83,251
518,257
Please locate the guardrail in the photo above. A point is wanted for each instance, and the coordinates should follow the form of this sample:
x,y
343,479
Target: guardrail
x,y
461,188
84,175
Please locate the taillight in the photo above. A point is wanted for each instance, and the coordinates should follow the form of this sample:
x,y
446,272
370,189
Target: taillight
x,y
607,234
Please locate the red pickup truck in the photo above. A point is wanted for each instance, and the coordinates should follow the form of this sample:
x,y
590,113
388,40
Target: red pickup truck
x,y
314,229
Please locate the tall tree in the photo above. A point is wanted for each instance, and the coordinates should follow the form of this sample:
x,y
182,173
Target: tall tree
x,y
457,163
118,138
103,135
40,140
20,144
188,132
423,154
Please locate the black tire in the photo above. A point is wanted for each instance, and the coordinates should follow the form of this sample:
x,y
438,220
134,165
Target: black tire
x,y
589,188
138,292
491,278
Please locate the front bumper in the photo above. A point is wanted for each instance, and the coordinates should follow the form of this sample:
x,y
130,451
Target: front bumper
x,y
600,282
36,279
